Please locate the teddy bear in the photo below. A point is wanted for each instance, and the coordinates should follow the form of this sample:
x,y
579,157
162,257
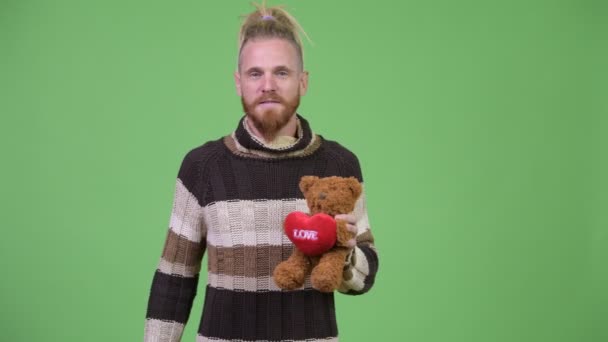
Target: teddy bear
x,y
325,196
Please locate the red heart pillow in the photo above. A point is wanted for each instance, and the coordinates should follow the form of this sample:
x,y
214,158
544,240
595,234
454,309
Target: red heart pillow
x,y
313,235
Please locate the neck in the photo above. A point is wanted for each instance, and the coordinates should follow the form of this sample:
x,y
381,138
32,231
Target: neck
x,y
289,129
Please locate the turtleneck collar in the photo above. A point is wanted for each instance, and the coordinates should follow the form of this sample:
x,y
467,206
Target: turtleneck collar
x,y
243,142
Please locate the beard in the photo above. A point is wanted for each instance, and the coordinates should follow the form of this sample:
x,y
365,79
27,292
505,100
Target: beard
x,y
270,121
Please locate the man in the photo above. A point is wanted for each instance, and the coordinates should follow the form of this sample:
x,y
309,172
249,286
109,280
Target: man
x,y
232,196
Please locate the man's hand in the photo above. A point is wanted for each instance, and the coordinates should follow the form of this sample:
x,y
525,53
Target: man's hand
x,y
351,222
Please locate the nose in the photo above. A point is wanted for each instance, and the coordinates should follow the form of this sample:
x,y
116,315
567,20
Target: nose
x,y
269,84
322,195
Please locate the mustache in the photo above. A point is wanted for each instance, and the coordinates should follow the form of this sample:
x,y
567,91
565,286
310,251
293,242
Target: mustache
x,y
269,97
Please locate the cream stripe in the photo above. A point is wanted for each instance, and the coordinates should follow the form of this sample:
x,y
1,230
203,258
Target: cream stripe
x,y
355,283
361,264
247,283
157,330
255,222
360,213
200,338
187,214
167,267
249,222
359,270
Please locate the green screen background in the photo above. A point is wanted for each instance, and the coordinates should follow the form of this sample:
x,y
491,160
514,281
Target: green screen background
x,y
481,127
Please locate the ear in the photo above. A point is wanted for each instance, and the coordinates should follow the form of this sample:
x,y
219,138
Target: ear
x,y
354,186
303,83
306,182
237,83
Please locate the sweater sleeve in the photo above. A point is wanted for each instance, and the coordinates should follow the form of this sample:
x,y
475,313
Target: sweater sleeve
x,y
362,265
176,278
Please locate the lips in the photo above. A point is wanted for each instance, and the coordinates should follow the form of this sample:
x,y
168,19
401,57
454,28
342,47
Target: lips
x,y
269,99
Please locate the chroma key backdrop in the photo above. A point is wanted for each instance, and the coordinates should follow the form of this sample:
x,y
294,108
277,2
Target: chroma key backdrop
x,y
481,127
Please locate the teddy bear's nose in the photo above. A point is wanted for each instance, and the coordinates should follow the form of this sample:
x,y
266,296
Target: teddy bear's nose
x,y
322,195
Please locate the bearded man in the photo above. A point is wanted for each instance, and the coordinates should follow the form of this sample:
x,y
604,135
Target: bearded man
x,y
231,198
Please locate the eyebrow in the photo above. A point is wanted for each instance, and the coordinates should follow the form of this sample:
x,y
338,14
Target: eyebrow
x,y
258,69
252,69
283,67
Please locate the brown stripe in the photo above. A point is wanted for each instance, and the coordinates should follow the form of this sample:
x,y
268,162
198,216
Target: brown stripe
x,y
246,261
365,238
348,273
256,261
180,250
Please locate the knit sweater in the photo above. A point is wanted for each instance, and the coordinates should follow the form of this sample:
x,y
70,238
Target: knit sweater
x,y
230,200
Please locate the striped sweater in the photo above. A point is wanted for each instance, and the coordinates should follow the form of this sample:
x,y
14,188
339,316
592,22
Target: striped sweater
x,y
230,200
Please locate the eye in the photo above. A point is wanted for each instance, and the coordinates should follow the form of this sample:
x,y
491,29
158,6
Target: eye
x,y
255,74
282,73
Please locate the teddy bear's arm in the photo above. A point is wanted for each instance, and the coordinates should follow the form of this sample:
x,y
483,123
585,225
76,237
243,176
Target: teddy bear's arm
x,y
343,234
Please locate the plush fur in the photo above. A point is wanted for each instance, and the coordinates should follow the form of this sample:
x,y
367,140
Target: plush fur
x,y
332,196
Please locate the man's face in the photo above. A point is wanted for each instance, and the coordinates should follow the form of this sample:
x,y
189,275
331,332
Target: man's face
x,y
270,83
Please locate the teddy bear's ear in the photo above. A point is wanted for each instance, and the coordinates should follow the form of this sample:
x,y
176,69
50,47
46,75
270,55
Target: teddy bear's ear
x,y
306,182
354,186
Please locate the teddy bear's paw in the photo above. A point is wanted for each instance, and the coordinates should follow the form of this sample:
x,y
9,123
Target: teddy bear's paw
x,y
288,278
323,286
324,280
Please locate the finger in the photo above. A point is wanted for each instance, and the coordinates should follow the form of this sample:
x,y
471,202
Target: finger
x,y
351,228
350,218
351,243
